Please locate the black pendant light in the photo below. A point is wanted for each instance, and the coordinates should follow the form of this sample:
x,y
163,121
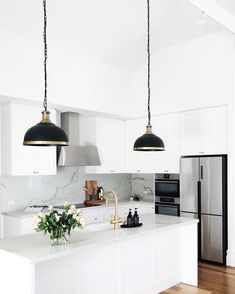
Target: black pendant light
x,y
149,141
45,133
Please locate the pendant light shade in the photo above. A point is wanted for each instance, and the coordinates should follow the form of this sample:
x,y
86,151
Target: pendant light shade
x,y
149,141
45,133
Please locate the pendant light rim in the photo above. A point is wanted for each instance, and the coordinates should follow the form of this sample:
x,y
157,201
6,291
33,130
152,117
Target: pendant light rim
x,y
149,148
45,143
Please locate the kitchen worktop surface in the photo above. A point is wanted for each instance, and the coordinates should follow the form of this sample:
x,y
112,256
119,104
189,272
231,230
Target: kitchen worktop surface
x,y
37,248
24,214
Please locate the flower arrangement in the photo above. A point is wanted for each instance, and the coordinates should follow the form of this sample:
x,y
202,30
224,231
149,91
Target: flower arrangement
x,y
59,224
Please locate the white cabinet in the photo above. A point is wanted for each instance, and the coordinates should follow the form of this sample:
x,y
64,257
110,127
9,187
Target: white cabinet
x,y
14,226
108,135
93,215
167,128
204,131
214,132
191,130
144,208
22,160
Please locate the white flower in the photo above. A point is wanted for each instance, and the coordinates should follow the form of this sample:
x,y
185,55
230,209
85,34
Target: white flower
x,y
66,204
72,209
50,208
37,220
81,220
57,217
41,215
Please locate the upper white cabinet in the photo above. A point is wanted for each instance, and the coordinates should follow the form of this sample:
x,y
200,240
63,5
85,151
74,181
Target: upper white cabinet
x,y
167,128
108,135
19,160
201,129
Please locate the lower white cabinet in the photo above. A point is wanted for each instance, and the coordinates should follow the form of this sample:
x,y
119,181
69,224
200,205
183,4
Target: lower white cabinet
x,y
15,225
94,216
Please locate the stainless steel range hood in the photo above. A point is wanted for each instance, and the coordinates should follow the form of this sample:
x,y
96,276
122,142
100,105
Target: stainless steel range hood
x,y
75,155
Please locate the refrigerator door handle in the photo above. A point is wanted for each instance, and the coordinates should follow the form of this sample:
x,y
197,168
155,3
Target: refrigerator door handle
x,y
201,172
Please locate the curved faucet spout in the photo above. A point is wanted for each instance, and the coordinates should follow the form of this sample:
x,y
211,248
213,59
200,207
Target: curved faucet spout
x,y
115,220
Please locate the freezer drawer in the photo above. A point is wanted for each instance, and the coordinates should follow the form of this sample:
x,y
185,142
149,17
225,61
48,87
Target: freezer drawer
x,y
189,177
211,238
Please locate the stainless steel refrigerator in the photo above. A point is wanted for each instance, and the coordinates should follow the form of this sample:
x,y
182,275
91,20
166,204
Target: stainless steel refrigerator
x,y
203,195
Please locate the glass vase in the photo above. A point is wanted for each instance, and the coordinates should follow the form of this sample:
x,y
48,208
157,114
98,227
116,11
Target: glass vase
x,y
58,237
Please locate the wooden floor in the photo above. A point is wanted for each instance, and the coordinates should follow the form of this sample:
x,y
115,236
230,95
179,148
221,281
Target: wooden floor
x,y
212,279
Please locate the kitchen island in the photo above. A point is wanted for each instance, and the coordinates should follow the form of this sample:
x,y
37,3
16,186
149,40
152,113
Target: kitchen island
x,y
99,259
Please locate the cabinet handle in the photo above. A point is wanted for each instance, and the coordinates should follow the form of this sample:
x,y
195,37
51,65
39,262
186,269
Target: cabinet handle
x,y
201,172
95,218
138,170
112,171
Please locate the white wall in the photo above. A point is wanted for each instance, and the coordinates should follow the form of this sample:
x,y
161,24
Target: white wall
x,y
193,74
74,80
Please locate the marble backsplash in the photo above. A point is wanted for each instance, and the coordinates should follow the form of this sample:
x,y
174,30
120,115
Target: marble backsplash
x,y
19,192
143,185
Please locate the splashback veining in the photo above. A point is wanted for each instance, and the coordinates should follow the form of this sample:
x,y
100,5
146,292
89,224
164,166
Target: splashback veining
x,y
67,185
19,192
143,185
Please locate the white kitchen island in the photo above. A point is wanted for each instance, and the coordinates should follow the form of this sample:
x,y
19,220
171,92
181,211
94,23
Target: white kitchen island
x,y
99,259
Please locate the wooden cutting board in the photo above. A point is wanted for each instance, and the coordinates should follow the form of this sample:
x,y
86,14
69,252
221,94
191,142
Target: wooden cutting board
x,y
91,186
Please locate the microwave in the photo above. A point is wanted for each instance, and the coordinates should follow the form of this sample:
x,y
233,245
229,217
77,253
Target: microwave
x,y
167,185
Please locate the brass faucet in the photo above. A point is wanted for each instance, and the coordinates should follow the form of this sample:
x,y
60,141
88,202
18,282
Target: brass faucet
x,y
115,221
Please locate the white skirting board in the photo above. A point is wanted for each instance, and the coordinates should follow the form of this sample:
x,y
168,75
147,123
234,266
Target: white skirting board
x,y
231,258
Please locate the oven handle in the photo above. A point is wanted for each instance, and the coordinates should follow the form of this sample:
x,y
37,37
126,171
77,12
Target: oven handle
x,y
167,205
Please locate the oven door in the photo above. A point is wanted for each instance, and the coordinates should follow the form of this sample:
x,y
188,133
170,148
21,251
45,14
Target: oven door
x,y
167,188
167,209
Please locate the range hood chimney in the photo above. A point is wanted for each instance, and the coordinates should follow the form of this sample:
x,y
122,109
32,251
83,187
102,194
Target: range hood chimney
x,y
74,154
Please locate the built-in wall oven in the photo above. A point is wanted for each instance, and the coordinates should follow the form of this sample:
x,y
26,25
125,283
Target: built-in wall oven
x,y
167,194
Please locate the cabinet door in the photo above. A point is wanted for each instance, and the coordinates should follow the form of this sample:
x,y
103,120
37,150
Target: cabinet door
x,y
116,155
145,208
93,216
168,129
214,136
201,129
19,159
191,130
108,135
137,161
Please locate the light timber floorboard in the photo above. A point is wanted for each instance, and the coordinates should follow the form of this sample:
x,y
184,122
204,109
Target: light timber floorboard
x,y
212,279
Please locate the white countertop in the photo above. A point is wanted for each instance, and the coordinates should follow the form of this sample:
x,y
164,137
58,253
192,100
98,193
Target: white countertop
x,y
24,214
37,248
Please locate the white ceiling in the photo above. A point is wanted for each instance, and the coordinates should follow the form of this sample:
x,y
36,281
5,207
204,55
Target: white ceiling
x,y
228,5
111,31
